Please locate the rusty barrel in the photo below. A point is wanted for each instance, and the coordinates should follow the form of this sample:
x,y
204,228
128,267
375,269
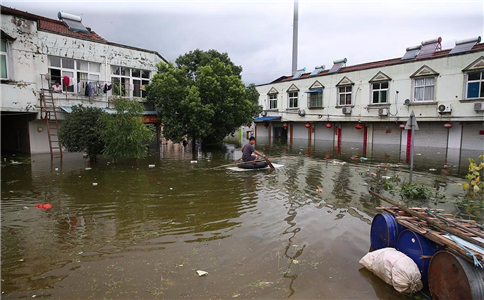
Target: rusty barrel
x,y
452,277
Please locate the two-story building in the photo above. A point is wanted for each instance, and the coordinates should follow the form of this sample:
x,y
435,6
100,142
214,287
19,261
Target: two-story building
x,y
37,51
369,104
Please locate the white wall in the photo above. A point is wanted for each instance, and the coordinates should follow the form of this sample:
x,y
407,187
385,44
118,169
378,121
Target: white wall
x,y
39,141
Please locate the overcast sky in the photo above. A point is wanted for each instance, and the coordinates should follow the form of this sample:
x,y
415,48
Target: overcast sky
x,y
258,34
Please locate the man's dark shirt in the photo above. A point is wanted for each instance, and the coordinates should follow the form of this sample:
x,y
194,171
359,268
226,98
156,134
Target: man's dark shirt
x,y
247,151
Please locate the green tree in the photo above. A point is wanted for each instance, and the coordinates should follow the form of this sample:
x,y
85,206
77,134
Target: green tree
x,y
123,132
202,98
81,131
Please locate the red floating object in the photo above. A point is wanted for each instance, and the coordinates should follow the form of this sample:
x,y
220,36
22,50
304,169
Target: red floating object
x,y
448,125
249,125
358,126
43,206
308,125
285,125
329,125
266,125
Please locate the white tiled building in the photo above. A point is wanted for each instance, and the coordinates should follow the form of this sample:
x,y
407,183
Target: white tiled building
x,y
442,87
36,51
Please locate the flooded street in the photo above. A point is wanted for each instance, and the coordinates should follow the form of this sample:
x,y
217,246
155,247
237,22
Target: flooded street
x,y
144,232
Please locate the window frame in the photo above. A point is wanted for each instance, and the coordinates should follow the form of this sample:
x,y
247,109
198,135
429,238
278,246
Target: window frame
x,y
131,78
467,81
339,93
379,90
273,100
414,87
5,53
296,98
75,71
310,96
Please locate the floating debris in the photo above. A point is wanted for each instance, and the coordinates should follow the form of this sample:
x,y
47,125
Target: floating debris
x,y
151,166
202,273
432,170
194,162
87,169
94,183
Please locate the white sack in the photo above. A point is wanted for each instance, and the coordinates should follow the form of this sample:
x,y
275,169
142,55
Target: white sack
x,y
395,268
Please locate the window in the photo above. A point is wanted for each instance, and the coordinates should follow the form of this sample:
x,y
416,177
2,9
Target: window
x,y
316,99
379,92
3,60
81,72
272,101
474,85
293,96
424,89
344,95
129,82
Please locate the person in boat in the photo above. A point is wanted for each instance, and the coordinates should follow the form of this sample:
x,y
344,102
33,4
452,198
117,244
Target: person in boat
x,y
248,149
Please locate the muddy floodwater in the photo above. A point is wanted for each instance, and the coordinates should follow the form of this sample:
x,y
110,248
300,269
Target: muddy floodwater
x,y
143,232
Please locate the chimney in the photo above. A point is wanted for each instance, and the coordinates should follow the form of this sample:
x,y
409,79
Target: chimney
x,y
294,39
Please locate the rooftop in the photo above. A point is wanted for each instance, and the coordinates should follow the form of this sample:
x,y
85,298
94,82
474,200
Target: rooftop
x,y
58,27
375,64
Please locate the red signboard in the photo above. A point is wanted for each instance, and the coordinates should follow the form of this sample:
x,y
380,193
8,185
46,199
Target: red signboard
x,y
149,119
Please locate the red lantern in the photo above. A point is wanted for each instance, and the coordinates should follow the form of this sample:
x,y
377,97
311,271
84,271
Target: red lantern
x,y
266,125
285,125
448,125
329,125
402,126
249,125
358,126
308,125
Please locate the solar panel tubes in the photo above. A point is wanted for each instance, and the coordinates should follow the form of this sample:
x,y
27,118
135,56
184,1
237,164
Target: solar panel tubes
x,y
338,64
299,73
411,52
429,48
464,45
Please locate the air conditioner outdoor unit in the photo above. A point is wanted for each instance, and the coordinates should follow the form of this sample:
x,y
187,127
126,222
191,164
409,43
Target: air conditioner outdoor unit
x,y
479,106
445,108
347,110
383,112
301,112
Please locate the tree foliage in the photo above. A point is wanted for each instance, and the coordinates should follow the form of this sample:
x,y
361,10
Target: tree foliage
x,y
123,132
202,97
81,130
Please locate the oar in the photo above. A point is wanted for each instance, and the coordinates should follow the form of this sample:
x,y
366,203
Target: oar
x,y
269,163
233,164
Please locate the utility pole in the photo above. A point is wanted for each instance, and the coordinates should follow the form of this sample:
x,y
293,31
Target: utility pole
x,y
294,38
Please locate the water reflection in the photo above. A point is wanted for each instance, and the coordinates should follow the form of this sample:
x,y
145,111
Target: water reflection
x,y
143,232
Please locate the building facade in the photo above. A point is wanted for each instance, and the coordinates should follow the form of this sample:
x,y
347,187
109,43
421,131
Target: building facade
x,y
369,104
37,51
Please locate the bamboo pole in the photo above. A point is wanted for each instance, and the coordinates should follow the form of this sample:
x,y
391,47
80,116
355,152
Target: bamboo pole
x,y
437,224
460,226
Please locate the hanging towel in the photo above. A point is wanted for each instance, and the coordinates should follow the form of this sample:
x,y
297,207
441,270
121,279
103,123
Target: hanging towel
x,y
72,81
131,86
66,80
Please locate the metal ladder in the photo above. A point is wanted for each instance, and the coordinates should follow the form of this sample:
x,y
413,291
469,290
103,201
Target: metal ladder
x,y
48,112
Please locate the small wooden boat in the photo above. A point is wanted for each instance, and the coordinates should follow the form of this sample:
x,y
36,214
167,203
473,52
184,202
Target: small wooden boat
x,y
251,165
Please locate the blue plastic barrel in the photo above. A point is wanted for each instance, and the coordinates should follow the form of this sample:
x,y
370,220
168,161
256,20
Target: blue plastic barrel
x,y
384,231
419,249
